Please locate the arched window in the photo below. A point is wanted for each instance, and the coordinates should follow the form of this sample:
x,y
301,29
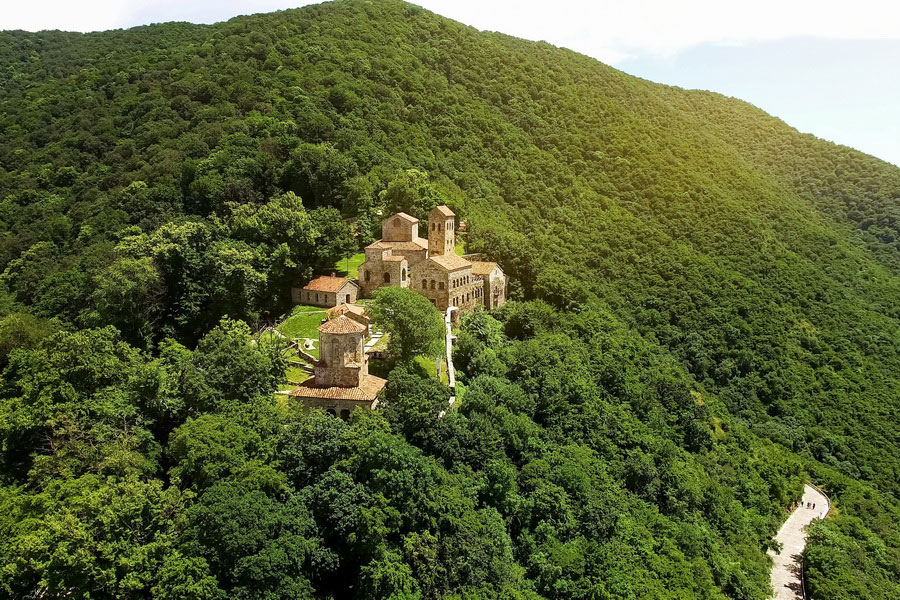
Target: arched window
x,y
402,274
432,284
440,285
424,284
387,277
433,226
368,275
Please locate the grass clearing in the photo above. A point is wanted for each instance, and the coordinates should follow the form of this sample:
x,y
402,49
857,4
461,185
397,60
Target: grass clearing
x,y
349,267
303,322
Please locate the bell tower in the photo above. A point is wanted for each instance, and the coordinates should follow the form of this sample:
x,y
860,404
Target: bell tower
x,y
441,231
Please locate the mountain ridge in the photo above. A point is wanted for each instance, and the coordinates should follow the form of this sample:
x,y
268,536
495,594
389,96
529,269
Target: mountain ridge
x,y
159,178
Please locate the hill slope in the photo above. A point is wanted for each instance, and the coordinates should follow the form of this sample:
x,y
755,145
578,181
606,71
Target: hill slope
x,y
761,265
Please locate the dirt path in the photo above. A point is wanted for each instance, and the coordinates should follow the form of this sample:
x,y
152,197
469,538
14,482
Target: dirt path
x,y
786,572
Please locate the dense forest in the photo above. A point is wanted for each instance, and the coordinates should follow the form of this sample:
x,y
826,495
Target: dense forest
x,y
706,314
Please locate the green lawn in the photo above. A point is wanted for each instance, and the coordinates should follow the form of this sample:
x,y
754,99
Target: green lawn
x,y
296,374
303,322
349,267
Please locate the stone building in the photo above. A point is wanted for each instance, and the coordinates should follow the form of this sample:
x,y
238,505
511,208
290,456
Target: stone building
x,y
327,291
431,268
353,311
493,283
341,381
388,260
446,280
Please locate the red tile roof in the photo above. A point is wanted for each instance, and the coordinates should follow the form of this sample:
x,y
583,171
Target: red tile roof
x,y
341,324
345,308
367,392
326,283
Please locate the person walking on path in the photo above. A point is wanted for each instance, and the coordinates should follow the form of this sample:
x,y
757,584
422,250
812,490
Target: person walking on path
x,y
785,576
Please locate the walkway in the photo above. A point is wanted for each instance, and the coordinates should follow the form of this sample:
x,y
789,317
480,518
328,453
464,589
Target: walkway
x,y
451,372
786,572
373,339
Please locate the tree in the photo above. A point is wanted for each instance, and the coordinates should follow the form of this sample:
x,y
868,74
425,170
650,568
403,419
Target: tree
x,y
411,192
412,321
414,401
236,369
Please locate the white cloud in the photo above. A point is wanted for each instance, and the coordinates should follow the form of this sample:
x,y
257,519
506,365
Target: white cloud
x,y
608,30
612,31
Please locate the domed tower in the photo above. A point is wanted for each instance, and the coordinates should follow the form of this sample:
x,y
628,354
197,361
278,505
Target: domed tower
x,y
342,358
441,231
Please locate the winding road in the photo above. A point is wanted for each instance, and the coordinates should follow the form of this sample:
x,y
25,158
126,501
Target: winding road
x,y
786,572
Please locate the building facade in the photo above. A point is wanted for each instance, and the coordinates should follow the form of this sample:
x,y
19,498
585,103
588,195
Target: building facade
x,y
341,380
327,291
493,283
430,267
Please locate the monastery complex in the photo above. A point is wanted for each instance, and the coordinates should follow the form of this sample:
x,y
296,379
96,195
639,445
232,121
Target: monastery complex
x,y
428,266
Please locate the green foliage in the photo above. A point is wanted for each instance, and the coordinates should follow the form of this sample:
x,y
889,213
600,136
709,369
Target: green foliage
x,y
414,324
712,302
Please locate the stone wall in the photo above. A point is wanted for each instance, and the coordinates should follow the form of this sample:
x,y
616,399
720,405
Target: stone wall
x,y
334,407
398,229
456,288
377,273
336,353
347,294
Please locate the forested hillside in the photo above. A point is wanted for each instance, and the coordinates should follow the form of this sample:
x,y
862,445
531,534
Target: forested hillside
x,y
708,314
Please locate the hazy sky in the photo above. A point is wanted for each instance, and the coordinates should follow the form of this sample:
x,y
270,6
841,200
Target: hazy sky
x,y
827,67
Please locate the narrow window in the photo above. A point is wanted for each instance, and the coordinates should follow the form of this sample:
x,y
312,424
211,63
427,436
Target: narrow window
x,y
432,284
368,276
402,274
441,285
387,277
424,284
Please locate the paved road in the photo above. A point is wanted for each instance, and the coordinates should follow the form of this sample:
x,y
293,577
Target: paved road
x,y
786,572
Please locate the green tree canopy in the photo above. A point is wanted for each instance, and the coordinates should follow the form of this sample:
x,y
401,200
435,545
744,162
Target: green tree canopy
x,y
414,324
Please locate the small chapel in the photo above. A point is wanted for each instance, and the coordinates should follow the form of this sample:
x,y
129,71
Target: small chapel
x,y
341,380
430,266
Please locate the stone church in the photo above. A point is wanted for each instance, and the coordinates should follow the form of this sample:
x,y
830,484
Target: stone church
x,y
430,266
341,381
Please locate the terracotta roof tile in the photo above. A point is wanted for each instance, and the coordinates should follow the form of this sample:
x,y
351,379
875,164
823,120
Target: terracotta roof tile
x,y
367,392
326,283
342,309
341,324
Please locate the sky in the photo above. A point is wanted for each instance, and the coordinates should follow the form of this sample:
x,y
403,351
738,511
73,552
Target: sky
x,y
831,68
